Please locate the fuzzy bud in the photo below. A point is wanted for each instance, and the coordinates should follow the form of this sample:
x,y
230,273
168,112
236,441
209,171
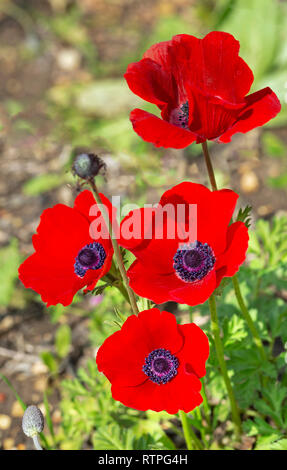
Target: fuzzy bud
x,y
33,421
87,165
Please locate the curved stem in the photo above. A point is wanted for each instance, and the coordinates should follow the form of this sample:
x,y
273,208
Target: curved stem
x,y
188,432
222,364
117,251
36,442
248,318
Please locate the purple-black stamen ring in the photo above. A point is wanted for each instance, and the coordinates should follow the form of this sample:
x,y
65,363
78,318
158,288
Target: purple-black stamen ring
x,y
91,256
180,116
160,366
193,261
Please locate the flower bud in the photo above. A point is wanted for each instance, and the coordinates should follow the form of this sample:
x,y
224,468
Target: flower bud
x,y
33,421
87,165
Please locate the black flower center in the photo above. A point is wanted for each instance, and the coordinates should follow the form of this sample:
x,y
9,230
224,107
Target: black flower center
x,y
193,261
192,258
87,257
160,366
91,256
180,116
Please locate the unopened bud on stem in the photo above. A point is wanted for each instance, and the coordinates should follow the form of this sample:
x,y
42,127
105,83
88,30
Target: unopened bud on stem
x,y
33,423
88,165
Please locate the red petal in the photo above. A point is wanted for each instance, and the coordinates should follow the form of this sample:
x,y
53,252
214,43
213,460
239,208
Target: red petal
x,y
55,284
195,351
181,393
56,236
209,116
195,293
151,285
161,53
136,229
151,82
122,355
159,132
160,330
237,243
85,203
62,232
260,108
160,287
214,210
213,66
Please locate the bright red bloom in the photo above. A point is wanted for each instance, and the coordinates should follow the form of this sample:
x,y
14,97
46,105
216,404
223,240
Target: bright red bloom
x,y
66,257
200,86
184,269
155,364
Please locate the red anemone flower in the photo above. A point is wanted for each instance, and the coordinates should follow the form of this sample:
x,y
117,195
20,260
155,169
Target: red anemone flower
x,y
187,263
70,252
155,364
200,86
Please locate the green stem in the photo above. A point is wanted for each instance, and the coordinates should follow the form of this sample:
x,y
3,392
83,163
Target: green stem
x,y
117,251
209,166
113,277
189,435
248,318
198,415
222,364
205,403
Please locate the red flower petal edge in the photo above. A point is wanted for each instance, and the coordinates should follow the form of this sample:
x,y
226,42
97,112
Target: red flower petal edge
x,y
68,254
200,87
155,364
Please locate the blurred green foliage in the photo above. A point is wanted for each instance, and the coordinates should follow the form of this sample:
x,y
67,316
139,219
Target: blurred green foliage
x,y
10,261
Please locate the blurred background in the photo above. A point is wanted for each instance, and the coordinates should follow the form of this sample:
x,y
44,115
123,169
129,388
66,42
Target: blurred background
x,y
62,89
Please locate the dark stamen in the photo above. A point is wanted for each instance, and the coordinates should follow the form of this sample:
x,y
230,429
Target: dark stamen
x,y
160,366
91,256
194,261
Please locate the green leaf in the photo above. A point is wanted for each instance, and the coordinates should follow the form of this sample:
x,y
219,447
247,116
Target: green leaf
x,y
234,331
258,427
244,215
